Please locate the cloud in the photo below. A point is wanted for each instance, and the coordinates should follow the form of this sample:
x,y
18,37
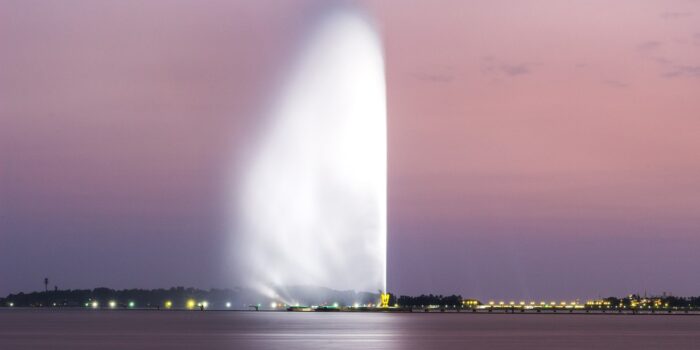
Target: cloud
x,y
649,45
436,74
684,71
615,83
516,69
675,15
671,66
662,60
494,66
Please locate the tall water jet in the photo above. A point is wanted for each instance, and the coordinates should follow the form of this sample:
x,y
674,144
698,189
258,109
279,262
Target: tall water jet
x,y
312,203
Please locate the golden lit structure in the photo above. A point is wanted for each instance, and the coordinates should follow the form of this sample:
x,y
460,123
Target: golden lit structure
x,y
385,300
470,303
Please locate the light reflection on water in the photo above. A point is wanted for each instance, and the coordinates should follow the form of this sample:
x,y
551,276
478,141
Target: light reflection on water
x,y
66,329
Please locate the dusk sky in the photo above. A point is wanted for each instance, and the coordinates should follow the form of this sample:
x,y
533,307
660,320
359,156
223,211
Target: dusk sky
x,y
537,149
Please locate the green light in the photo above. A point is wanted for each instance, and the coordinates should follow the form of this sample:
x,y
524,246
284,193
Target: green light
x,y
131,304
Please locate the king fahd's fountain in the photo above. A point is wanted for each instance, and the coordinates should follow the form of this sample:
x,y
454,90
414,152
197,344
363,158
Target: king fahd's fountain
x,y
312,202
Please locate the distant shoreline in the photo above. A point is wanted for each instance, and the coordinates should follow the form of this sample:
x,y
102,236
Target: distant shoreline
x,y
325,300
377,310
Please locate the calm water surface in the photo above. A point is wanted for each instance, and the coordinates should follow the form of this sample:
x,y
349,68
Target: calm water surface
x,y
103,329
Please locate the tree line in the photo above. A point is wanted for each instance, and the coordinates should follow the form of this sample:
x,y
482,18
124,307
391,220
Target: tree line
x,y
421,301
179,297
142,298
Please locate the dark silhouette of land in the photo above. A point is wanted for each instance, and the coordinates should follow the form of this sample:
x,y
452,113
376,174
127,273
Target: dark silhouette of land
x,y
179,298
245,299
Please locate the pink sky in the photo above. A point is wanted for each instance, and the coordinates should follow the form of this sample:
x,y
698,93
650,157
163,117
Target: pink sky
x,y
538,149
